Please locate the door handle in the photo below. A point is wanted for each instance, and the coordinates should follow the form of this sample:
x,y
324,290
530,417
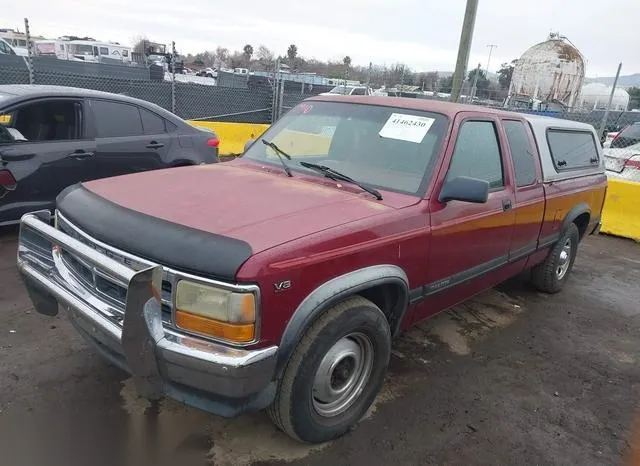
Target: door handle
x,y
80,154
506,204
154,145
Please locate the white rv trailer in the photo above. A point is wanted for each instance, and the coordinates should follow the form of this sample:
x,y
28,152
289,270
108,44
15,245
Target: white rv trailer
x,y
93,51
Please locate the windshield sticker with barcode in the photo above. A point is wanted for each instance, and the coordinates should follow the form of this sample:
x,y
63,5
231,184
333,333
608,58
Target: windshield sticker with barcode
x,y
403,127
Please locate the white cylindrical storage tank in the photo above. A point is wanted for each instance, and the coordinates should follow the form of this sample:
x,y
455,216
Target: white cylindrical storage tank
x,y
548,71
595,96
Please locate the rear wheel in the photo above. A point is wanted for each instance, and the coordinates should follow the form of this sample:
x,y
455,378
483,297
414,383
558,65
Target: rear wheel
x,y
335,372
551,275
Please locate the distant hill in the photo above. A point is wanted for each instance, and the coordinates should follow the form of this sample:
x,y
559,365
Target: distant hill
x,y
630,80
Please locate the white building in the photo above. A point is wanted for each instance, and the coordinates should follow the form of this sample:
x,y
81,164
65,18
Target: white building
x,y
595,96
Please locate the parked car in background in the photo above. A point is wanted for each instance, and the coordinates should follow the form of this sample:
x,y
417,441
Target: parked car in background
x,y
628,136
623,162
608,137
7,49
352,218
208,73
52,137
348,90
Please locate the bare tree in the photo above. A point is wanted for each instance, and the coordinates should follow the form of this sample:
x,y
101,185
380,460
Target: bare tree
x,y
140,42
221,57
265,57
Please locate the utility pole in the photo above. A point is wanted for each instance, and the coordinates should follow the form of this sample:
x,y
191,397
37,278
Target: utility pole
x,y
603,124
472,94
466,37
491,47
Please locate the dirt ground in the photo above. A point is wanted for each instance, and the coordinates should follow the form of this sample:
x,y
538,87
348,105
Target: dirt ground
x,y
513,377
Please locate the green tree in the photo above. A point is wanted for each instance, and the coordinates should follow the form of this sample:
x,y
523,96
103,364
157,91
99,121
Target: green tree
x,y
292,53
634,97
247,51
445,84
482,83
347,61
504,74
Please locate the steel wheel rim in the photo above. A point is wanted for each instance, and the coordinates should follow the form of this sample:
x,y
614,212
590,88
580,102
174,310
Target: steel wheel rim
x,y
564,260
342,375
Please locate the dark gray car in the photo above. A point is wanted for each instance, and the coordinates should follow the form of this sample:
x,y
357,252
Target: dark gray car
x,y
52,137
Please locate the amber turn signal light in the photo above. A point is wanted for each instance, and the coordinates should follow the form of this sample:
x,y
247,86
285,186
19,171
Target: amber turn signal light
x,y
235,333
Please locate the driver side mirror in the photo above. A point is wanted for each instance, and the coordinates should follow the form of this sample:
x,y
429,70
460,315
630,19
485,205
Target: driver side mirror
x,y
248,144
466,189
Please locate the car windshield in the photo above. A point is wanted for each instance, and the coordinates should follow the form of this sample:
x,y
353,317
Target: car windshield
x,y
627,137
343,90
384,147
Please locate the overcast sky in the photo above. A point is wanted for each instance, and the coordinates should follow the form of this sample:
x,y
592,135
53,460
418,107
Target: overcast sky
x,y
424,34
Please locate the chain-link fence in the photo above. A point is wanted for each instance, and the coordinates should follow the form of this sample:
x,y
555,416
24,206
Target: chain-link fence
x,y
260,97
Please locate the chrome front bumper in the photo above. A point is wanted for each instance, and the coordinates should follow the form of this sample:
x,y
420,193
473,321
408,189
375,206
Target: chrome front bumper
x,y
162,361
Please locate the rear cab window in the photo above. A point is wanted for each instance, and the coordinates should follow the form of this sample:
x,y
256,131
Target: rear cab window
x,y
571,149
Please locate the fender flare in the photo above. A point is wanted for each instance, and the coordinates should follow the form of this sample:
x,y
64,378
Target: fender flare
x,y
574,213
334,291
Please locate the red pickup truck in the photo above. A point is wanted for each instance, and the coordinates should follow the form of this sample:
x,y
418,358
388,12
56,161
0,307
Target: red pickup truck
x,y
280,279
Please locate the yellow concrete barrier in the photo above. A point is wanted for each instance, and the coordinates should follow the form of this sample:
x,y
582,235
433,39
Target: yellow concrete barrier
x,y
233,136
621,212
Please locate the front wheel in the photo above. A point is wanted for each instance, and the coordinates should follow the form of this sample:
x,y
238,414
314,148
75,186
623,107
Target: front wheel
x,y
335,372
551,275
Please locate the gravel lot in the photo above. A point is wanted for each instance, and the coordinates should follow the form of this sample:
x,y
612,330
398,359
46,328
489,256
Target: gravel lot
x,y
512,377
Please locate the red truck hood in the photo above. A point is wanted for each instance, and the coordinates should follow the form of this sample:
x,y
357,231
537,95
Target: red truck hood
x,y
233,200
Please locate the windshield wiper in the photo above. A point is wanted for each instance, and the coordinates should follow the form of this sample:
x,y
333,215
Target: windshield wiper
x,y
279,152
335,175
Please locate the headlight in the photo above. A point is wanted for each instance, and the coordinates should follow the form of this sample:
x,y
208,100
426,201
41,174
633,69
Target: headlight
x,y
215,312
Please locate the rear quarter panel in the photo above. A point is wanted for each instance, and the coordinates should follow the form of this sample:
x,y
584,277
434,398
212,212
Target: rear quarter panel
x,y
563,195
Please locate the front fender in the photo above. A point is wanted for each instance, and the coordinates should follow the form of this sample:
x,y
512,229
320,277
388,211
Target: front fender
x,y
334,291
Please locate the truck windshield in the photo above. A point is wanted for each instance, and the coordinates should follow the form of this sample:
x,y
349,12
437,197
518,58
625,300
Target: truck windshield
x,y
387,148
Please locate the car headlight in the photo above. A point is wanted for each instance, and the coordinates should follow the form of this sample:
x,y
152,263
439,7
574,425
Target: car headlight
x,y
215,312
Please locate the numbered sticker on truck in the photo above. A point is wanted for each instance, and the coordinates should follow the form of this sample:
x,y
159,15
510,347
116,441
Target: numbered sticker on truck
x,y
403,127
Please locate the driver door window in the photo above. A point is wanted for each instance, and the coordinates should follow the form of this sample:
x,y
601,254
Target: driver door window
x,y
477,154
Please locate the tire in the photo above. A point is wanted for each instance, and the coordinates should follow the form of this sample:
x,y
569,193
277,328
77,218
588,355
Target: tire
x,y
551,275
303,407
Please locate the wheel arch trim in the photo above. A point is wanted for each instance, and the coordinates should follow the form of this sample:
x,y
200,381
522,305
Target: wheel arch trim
x,y
334,291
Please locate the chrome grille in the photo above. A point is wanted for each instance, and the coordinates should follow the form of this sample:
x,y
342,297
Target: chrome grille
x,y
100,283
